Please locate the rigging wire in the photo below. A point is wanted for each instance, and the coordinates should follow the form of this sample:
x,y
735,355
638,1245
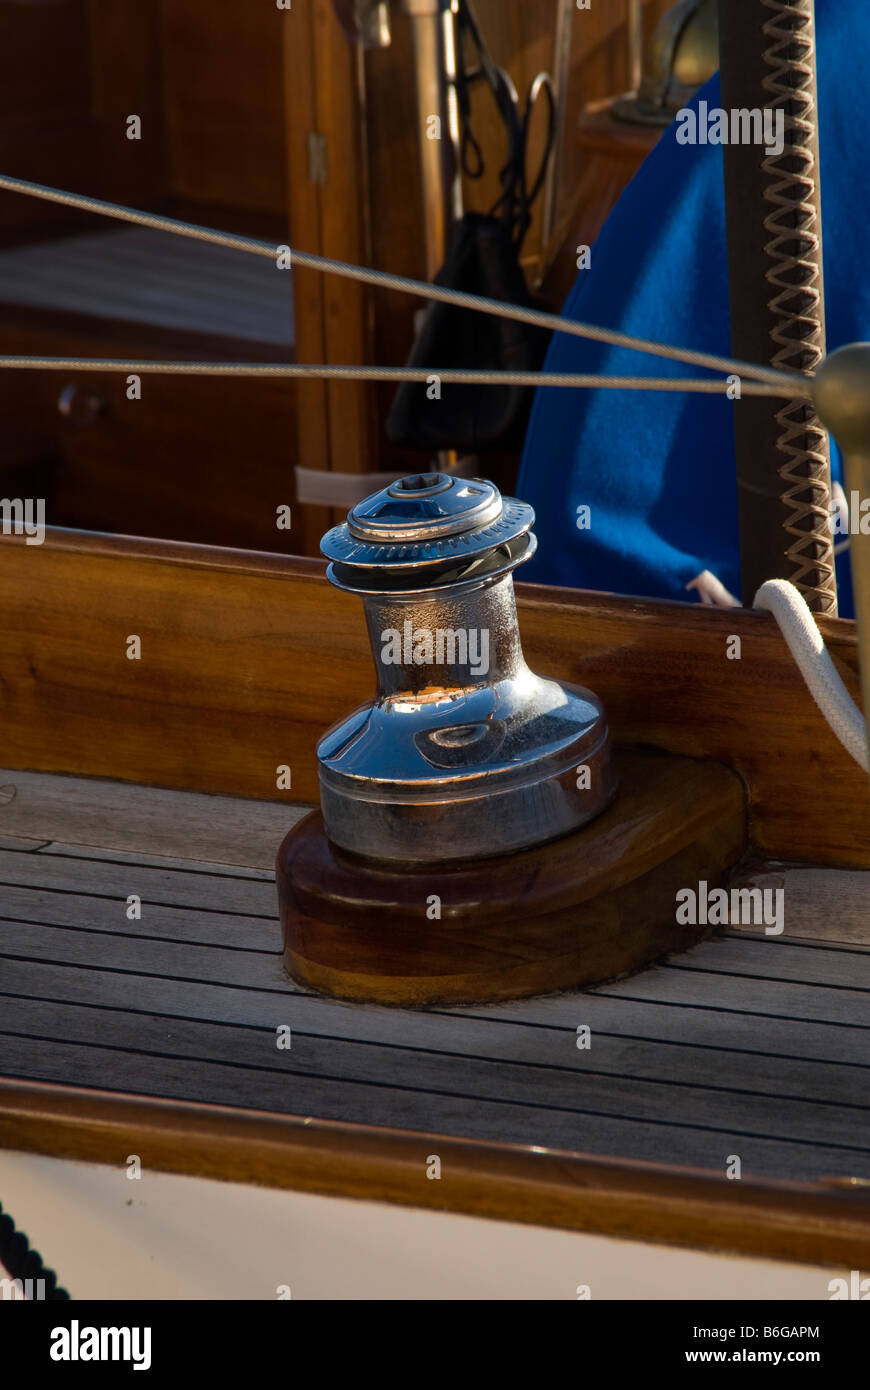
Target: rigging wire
x,y
450,377
796,382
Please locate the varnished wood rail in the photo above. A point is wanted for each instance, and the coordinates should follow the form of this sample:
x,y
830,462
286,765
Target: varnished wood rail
x,y
545,1187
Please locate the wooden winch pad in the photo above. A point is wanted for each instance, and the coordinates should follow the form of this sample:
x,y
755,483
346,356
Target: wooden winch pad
x,y
748,1045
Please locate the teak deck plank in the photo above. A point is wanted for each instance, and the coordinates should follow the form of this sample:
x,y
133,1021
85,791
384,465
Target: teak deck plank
x,y
159,886
111,816
270,1079
457,1114
506,1042
753,1045
724,1032
261,969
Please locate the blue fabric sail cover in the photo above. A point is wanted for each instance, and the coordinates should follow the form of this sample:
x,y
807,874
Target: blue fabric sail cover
x,y
657,470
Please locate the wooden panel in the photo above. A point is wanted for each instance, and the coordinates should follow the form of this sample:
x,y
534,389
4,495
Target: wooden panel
x,y
127,80
345,214
610,154
224,102
70,74
248,658
46,127
195,457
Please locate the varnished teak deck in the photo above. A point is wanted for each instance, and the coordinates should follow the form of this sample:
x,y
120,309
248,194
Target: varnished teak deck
x,y
749,1045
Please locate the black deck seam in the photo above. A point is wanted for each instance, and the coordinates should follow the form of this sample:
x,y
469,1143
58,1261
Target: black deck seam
x,y
767,978
144,936
150,902
46,852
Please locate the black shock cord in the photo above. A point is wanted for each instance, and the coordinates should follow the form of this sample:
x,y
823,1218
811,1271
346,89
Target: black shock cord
x,y
514,205
24,1263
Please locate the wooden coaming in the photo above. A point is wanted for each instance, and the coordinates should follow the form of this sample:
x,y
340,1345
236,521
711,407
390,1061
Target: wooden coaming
x,y
247,658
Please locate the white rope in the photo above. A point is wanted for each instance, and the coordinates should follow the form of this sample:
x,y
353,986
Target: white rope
x,y
797,384
448,376
789,607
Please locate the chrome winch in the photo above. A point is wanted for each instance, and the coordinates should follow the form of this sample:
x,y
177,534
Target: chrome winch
x,y
464,752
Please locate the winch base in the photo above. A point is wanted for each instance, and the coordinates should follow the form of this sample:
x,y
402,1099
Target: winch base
x,y
598,903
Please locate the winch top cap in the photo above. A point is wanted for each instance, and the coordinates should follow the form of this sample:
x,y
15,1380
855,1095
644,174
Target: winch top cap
x,y
425,506
425,519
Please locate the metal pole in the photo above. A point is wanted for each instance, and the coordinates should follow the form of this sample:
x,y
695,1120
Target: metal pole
x,y
566,9
433,30
842,395
635,45
768,64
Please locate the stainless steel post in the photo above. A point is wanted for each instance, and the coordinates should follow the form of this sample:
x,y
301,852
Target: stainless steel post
x,y
842,398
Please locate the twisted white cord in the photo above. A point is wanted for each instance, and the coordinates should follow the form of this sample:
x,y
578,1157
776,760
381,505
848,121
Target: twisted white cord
x,y
806,644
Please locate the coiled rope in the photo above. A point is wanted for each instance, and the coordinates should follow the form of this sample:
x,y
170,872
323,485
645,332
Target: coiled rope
x,y
807,646
24,1263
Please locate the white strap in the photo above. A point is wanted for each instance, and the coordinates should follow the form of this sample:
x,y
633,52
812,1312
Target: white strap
x,y
344,490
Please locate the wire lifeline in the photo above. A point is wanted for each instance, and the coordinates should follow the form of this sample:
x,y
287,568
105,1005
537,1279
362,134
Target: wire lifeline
x,y
448,376
420,289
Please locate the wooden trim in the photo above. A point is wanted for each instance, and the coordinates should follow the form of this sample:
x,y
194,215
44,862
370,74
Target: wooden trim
x,y
669,1206
189,554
